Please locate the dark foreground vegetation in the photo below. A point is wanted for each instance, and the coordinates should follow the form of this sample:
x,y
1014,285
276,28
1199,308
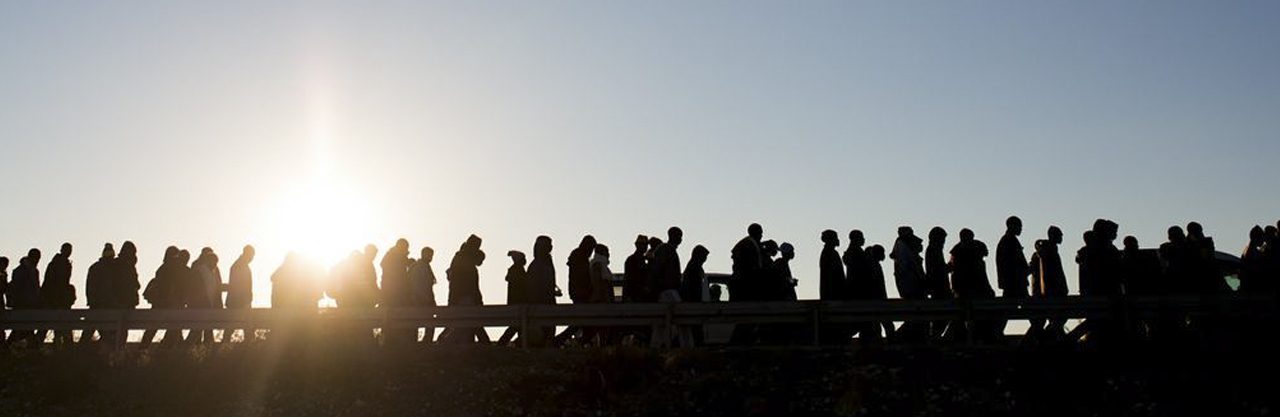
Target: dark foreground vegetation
x,y
311,379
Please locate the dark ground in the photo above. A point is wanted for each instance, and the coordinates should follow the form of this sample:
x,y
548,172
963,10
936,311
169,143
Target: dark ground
x,y
312,379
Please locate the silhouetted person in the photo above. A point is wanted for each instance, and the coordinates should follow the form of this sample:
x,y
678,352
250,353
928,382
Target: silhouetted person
x,y
517,290
665,271
937,275
782,269
694,287
541,285
396,289
635,274
1100,270
1177,255
124,277
355,281
1253,268
24,292
1051,280
205,289
857,267
1011,265
56,292
748,265
240,288
98,292
909,277
422,282
580,270
240,282
601,276
767,286
1205,273
97,284
876,290
969,279
163,292
464,288
285,285
831,286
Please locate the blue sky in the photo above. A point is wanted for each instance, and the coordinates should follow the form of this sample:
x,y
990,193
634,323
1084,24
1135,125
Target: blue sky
x,y
332,125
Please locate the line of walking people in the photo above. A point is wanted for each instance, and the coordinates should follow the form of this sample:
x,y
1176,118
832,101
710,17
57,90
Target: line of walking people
x,y
653,272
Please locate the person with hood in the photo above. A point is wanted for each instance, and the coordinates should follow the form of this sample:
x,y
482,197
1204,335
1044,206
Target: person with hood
x,y
937,276
540,284
464,288
969,280
206,289
601,276
24,292
124,277
395,276
909,277
748,265
635,276
517,291
877,291
422,280
162,293
98,292
1011,265
831,286
56,292
240,288
857,267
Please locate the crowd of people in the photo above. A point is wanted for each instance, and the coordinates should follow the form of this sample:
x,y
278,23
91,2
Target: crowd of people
x,y
653,273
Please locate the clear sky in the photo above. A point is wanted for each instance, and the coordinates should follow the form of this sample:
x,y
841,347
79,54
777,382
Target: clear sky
x,y
325,126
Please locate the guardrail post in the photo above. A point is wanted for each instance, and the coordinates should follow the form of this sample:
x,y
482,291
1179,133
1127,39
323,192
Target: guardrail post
x,y
122,329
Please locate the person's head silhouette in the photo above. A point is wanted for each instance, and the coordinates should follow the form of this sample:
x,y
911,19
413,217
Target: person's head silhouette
x,y
428,254
1013,226
542,246
588,243
247,253
1195,231
1130,243
675,236
966,235
830,238
602,250
128,249
108,252
370,252
856,239
788,251
1256,235
1055,235
700,254
937,235
1271,232
4,263
402,245
171,254
65,250
1176,234
642,243
876,253
755,231
905,231
184,257
517,257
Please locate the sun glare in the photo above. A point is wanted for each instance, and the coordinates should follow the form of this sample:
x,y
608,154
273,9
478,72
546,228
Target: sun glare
x,y
322,222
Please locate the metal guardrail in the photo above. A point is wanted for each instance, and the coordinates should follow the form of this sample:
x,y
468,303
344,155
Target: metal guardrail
x,y
809,313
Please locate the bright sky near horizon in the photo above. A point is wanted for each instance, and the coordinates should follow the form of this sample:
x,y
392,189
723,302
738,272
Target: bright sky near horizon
x,y
324,126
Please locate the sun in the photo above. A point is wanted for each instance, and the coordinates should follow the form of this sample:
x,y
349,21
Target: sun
x,y
322,221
